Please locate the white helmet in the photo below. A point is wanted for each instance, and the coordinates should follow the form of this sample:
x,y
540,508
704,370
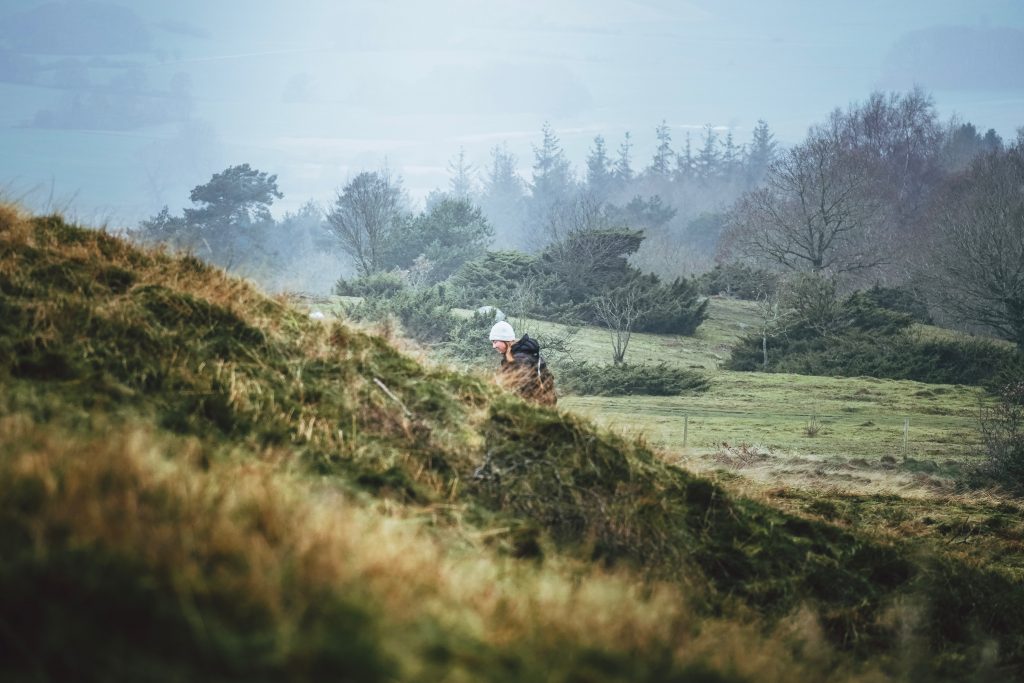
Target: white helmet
x,y
502,331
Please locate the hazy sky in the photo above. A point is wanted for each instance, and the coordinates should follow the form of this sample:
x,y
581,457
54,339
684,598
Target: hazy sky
x,y
317,91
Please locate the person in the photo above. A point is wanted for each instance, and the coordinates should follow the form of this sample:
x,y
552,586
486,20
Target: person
x,y
522,368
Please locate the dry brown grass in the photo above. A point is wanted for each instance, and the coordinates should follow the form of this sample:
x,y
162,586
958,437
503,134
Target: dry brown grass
x,y
250,532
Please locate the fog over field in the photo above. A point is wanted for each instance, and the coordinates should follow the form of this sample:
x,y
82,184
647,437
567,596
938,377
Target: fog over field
x,y
112,110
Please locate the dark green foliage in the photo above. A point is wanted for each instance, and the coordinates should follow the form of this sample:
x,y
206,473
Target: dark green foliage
x,y
564,280
705,231
488,280
377,285
647,214
900,356
426,315
451,233
859,338
901,300
229,223
673,308
737,280
588,261
624,380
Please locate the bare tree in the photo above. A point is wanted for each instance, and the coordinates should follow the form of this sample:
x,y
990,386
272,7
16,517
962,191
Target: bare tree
x,y
979,251
816,213
619,311
364,216
774,317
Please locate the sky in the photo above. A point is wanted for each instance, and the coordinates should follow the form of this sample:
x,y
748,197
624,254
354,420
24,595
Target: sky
x,y
110,110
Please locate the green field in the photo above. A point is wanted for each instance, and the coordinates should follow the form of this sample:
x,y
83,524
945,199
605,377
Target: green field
x,y
808,420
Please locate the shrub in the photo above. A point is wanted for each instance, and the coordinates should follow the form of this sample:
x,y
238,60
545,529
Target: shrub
x,y
859,337
622,380
901,300
674,308
554,287
1002,426
488,280
737,280
425,314
380,285
896,356
426,317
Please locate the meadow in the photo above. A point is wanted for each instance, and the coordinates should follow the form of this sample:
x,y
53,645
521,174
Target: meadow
x,y
199,482
877,428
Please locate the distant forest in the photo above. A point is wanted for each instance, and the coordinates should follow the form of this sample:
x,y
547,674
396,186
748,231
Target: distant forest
x,y
881,193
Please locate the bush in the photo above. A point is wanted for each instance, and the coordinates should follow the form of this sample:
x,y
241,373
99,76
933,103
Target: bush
x,y
557,287
488,280
902,355
624,380
1002,426
675,308
860,338
375,285
901,300
737,280
426,317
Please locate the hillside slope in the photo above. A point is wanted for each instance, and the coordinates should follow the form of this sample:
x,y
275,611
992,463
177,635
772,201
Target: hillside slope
x,y
196,481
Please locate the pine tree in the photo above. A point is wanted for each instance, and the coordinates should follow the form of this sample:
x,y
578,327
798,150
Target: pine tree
x,y
623,170
761,154
707,158
661,163
684,161
552,177
730,156
503,199
599,170
461,182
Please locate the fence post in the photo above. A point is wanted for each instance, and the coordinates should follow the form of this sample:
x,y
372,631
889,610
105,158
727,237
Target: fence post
x,y
906,436
686,427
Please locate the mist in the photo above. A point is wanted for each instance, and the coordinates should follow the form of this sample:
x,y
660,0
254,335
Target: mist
x,y
110,111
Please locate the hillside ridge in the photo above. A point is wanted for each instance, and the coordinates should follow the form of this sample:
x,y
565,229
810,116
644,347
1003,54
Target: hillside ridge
x,y
102,342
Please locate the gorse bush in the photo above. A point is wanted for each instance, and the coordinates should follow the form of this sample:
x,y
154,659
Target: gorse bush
x,y
624,380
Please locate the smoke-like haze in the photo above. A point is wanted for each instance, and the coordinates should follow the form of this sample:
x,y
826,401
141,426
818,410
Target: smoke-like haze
x,y
115,109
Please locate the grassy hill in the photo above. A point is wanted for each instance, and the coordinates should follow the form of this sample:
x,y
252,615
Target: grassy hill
x,y
199,482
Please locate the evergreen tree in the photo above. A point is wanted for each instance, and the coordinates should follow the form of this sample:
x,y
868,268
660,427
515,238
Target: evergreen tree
x,y
992,141
504,199
552,178
623,170
707,158
761,153
661,163
684,161
599,170
450,233
730,156
461,182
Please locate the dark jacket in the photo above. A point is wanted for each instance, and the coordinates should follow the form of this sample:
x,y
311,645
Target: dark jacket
x,y
527,374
